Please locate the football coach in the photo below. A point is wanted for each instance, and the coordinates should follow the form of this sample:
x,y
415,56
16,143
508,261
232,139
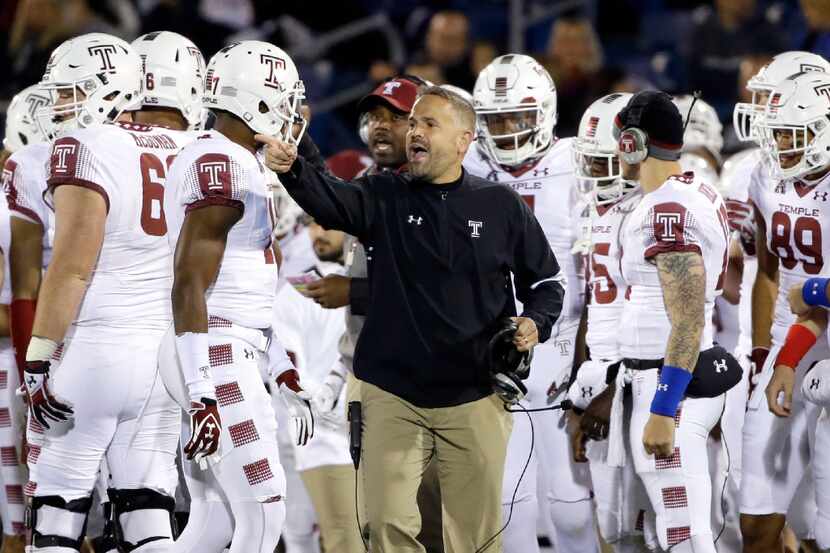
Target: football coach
x,y
441,247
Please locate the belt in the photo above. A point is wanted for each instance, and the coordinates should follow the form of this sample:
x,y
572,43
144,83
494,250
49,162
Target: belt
x,y
642,364
254,336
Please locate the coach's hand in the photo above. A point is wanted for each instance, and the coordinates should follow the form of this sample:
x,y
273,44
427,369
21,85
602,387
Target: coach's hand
x,y
658,436
279,155
527,334
331,291
796,299
783,380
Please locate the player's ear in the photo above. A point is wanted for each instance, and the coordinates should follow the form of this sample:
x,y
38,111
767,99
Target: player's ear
x,y
463,141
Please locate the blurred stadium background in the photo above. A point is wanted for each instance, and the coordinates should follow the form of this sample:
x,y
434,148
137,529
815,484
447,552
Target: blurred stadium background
x,y
342,47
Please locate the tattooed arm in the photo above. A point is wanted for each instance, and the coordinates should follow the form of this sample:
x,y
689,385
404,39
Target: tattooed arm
x,y
683,280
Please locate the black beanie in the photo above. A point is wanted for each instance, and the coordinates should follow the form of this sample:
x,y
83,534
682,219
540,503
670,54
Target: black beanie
x,y
654,112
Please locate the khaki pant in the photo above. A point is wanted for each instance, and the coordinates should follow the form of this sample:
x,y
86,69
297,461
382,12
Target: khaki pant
x,y
331,489
469,443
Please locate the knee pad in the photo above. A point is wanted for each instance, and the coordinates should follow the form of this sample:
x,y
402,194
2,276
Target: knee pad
x,y
55,522
141,517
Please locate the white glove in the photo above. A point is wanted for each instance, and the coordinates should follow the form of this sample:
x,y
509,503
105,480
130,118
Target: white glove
x,y
589,382
298,403
816,384
327,395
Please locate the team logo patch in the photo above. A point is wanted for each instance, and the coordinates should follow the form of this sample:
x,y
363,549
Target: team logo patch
x,y
389,88
476,227
35,102
627,143
64,156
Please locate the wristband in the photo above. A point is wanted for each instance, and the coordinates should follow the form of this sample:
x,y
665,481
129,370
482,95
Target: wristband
x,y
814,292
193,348
798,343
40,349
671,387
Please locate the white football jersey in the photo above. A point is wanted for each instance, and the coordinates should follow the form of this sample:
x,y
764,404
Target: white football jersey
x,y
797,220
5,243
213,170
298,254
24,183
684,214
736,177
309,332
606,287
127,163
550,189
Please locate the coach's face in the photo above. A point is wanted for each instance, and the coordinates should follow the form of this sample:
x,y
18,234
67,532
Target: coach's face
x,y
435,143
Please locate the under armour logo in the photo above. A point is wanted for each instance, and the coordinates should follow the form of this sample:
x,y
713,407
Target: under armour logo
x,y
31,381
389,88
249,354
779,188
587,391
823,195
476,226
416,220
210,428
662,387
493,176
720,366
814,383
540,172
205,372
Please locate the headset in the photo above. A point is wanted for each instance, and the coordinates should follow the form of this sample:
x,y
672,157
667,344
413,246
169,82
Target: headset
x,y
633,141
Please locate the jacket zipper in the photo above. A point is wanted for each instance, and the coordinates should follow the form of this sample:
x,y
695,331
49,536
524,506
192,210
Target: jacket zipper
x,y
447,245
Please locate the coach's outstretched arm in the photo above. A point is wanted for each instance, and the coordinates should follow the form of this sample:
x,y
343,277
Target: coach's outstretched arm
x,y
683,282
334,203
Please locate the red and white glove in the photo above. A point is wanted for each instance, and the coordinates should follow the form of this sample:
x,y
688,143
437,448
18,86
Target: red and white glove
x,y
298,403
205,422
43,405
742,220
205,428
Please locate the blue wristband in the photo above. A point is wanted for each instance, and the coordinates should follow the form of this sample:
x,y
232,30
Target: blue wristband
x,y
814,292
670,390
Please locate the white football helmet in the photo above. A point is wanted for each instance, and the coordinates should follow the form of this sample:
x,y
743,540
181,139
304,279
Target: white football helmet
x,y
771,75
174,72
257,82
515,85
799,108
703,128
103,75
21,124
594,151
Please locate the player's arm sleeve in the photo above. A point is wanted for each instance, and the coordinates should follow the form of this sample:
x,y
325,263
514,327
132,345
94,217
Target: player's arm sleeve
x,y
540,283
213,179
334,203
359,295
22,193
72,162
672,242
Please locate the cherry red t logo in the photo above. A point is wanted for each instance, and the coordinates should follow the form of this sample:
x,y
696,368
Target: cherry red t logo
x,y
214,171
61,151
668,220
103,51
273,63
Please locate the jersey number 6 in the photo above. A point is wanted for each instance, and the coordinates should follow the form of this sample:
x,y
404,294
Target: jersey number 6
x,y
153,173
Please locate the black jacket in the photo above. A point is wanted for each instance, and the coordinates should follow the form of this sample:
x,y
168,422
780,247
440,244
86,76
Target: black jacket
x,y
439,260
